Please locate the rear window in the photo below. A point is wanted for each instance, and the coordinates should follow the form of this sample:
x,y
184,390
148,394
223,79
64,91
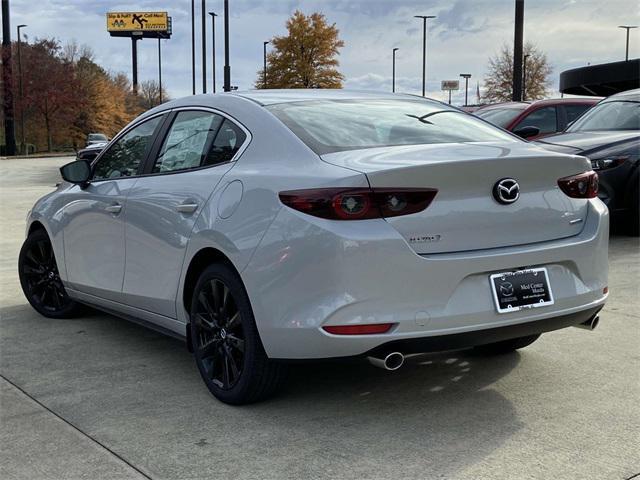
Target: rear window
x,y
328,126
501,117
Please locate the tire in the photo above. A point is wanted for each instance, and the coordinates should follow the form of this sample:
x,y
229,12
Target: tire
x,y
506,346
225,341
40,280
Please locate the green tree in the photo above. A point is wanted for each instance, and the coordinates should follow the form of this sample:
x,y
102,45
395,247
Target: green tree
x,y
498,82
306,57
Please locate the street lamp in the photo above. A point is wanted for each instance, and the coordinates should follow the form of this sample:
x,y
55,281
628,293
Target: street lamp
x,y
393,74
627,28
227,67
424,49
264,61
21,91
193,48
213,47
524,77
466,77
203,16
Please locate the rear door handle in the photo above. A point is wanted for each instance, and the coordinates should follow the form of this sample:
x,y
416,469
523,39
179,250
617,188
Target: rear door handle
x,y
187,207
115,208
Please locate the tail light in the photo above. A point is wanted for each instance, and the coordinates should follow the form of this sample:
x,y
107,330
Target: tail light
x,y
583,185
367,329
358,203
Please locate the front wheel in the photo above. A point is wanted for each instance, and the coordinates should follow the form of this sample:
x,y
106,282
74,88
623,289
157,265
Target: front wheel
x,y
40,280
506,346
225,340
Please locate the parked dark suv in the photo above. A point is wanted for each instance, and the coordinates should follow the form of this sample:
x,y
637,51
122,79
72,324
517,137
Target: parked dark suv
x,y
609,134
537,119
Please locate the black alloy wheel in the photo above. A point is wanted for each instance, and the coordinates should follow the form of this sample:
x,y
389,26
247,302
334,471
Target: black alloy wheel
x,y
40,279
225,340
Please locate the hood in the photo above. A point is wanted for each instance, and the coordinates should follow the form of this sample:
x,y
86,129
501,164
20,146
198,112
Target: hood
x,y
586,142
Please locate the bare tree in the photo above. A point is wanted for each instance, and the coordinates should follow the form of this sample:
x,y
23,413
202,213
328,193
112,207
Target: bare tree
x,y
499,80
149,94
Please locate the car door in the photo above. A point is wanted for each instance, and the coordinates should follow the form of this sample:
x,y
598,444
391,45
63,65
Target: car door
x,y
544,118
162,207
94,244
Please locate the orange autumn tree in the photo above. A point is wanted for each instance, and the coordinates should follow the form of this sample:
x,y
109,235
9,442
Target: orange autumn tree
x,y
306,57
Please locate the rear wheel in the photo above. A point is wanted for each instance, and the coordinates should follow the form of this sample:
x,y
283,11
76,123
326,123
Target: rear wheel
x,y
225,340
506,346
40,279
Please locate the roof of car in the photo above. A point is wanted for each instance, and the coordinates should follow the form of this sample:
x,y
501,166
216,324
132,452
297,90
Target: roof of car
x,y
629,95
547,101
271,97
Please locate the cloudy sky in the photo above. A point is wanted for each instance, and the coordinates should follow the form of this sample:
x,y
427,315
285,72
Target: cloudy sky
x,y
461,39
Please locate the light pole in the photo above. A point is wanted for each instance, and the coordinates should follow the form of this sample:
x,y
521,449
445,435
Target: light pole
x,y
193,48
524,77
393,74
213,47
466,77
203,16
21,92
627,28
264,61
227,67
159,72
424,49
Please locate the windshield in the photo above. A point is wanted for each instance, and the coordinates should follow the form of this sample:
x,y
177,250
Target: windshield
x,y
614,115
97,137
335,125
501,117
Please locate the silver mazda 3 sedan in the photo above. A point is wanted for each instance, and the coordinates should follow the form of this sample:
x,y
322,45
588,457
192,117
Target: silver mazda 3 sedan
x,y
275,225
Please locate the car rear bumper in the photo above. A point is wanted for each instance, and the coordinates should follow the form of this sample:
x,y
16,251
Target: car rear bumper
x,y
310,272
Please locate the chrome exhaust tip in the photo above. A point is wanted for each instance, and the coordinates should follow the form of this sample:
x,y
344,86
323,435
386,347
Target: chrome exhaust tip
x,y
392,361
590,324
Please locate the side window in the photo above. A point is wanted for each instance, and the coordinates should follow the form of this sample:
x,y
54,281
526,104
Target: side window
x,y
228,141
123,157
574,111
543,118
186,143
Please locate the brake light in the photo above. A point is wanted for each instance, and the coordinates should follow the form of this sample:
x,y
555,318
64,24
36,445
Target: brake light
x,y
358,203
582,185
358,329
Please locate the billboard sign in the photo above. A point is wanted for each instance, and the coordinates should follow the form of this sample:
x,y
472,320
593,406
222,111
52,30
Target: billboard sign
x,y
122,22
450,85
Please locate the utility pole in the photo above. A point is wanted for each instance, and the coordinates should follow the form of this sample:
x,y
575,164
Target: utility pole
x,y
264,61
213,48
227,67
393,71
7,81
193,48
518,41
466,77
21,91
627,28
203,15
424,50
159,71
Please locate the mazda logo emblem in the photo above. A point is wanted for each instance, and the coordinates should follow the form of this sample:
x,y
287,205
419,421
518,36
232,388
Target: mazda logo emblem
x,y
506,191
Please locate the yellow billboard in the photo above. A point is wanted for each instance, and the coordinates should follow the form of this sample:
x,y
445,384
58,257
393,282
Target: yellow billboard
x,y
137,21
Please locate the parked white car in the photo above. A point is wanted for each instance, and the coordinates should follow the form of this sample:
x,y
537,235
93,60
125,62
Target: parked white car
x,y
276,225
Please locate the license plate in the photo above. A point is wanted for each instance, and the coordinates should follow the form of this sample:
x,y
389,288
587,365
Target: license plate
x,y
521,289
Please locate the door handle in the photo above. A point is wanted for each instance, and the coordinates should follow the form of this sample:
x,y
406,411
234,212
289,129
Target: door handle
x,y
115,208
187,207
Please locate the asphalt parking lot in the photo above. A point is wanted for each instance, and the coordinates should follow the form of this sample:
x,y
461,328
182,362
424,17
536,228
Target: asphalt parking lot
x,y
98,397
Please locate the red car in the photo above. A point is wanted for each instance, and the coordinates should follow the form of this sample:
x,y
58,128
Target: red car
x,y
536,119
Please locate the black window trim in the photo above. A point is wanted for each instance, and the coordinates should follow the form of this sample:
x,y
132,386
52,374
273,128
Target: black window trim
x,y
147,170
146,164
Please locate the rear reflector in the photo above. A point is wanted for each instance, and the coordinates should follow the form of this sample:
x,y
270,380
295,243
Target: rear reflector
x,y
583,185
358,329
358,203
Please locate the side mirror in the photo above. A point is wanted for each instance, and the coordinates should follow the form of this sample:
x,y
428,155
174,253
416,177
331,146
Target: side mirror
x,y
527,132
78,172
